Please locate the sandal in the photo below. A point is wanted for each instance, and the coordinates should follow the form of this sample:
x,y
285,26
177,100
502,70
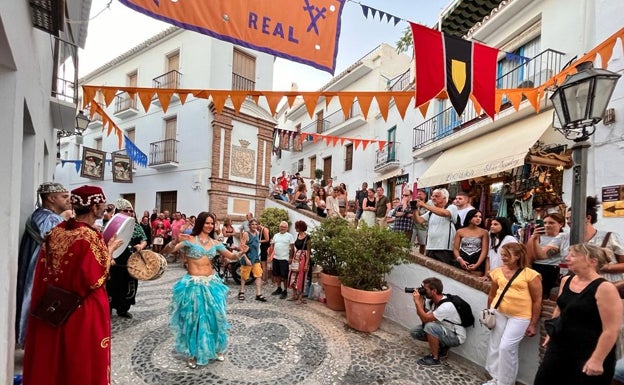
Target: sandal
x,y
261,298
241,296
192,363
220,357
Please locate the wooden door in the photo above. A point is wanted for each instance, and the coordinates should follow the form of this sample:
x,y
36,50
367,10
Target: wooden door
x,y
327,168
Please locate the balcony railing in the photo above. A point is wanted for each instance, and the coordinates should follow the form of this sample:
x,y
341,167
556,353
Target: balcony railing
x,y
124,102
171,79
528,75
241,83
388,154
163,152
402,82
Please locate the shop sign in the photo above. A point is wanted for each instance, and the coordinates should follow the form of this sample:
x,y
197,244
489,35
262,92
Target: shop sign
x,y
401,179
613,201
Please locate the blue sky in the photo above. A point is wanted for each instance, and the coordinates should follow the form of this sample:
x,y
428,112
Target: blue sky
x,y
117,29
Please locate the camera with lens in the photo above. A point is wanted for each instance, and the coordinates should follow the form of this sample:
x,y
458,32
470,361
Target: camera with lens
x,y
421,290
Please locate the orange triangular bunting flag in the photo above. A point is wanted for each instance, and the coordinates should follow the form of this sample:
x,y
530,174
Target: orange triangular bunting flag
x,y
381,144
255,98
327,140
402,100
346,100
237,99
146,99
364,102
423,109
88,95
356,142
290,98
183,96
606,52
328,98
335,140
365,143
476,105
109,94
383,101
497,101
315,138
218,99
342,140
531,95
311,99
273,99
164,97
515,97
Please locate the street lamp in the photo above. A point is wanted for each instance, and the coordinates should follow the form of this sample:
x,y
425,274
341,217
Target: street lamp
x,y
82,122
580,102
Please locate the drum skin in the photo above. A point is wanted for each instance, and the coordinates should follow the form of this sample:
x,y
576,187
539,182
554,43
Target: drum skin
x,y
122,226
146,265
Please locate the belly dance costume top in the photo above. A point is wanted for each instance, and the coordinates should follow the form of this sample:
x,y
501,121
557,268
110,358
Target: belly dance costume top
x,y
470,250
198,310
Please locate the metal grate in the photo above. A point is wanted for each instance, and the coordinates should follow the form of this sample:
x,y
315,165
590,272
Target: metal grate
x,y
47,15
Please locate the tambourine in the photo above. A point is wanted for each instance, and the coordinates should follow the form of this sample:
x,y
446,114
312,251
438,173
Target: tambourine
x,y
146,265
122,226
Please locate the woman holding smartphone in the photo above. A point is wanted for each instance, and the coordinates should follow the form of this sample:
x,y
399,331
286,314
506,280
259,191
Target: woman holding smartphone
x,y
546,247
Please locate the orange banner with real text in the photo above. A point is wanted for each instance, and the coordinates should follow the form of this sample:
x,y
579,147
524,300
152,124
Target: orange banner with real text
x,y
305,31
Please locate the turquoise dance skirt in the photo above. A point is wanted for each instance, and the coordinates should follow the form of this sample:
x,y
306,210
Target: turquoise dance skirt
x,y
198,320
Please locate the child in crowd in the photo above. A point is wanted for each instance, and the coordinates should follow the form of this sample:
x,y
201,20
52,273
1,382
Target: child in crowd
x,y
350,215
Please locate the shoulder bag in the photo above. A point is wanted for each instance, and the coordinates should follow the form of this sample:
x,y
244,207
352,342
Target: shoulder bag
x,y
56,304
487,317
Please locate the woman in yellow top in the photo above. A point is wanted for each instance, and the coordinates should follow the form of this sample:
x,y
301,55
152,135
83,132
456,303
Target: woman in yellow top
x,y
517,314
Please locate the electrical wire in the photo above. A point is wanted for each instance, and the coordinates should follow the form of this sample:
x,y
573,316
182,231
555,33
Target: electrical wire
x,y
70,21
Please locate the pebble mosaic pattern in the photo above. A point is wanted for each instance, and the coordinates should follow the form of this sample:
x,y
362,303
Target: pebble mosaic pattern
x,y
276,342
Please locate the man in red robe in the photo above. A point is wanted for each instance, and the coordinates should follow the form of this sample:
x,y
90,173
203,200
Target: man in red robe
x,y
75,258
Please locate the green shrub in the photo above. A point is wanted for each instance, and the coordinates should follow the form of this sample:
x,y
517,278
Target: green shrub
x,y
271,218
368,254
325,239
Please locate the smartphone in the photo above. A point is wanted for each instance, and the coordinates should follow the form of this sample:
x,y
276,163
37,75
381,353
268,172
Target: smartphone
x,y
413,205
539,222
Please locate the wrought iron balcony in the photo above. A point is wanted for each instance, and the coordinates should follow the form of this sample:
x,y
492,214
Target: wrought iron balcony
x,y
171,79
125,105
164,154
241,83
386,158
531,74
402,82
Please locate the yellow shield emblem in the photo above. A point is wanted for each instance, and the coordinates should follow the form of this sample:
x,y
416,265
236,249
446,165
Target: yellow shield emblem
x,y
458,74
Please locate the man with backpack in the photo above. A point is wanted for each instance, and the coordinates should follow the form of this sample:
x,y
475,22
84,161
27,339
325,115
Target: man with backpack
x,y
442,317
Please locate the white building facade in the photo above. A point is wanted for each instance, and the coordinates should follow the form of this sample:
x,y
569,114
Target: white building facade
x,y
38,67
198,159
378,70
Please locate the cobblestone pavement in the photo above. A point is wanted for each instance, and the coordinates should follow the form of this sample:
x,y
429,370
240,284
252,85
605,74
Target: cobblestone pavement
x,y
276,342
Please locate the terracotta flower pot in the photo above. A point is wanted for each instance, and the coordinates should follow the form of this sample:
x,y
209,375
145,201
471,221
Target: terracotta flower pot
x,y
365,309
331,286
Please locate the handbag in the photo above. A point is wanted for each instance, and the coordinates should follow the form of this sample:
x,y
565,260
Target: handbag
x,y
56,305
552,326
487,317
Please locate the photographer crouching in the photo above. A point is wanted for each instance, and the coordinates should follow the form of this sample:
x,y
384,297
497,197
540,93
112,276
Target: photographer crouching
x,y
441,322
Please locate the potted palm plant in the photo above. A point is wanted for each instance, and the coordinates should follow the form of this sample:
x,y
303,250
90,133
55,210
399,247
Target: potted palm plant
x,y
367,255
325,239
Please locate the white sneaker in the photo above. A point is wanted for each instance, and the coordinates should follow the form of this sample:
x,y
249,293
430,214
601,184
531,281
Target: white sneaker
x,y
491,382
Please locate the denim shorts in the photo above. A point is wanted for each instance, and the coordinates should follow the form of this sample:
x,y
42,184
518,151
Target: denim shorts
x,y
446,336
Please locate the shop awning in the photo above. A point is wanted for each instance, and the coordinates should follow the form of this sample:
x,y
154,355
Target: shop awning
x,y
492,153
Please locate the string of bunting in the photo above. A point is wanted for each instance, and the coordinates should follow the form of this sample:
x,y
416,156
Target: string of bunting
x,y
401,99
286,137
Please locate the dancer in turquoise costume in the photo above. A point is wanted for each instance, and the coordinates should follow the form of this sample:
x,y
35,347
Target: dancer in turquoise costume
x,y
198,320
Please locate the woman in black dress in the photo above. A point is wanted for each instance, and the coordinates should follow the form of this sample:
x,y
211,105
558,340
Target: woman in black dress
x,y
121,287
581,347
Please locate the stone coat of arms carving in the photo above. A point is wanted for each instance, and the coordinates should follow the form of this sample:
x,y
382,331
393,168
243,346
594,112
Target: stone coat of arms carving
x,y
243,160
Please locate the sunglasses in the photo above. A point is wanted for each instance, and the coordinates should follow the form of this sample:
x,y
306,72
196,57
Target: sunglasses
x,y
127,211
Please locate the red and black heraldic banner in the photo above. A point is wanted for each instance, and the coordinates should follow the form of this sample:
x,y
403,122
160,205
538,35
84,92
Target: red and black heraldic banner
x,y
457,66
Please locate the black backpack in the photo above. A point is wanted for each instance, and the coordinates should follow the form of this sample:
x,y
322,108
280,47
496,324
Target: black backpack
x,y
462,307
